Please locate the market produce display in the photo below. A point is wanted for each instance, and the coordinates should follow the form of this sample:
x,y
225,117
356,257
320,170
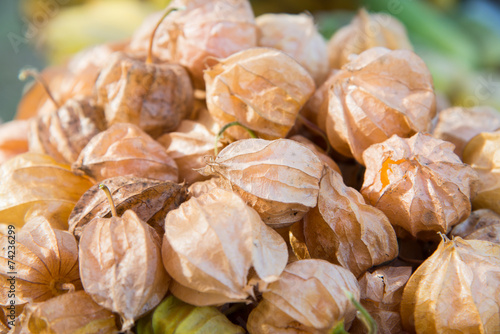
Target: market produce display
x,y
225,173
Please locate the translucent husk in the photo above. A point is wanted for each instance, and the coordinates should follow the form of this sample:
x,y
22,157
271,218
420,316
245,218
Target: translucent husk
x,y
482,224
45,262
261,88
419,183
459,125
297,36
34,184
308,298
155,97
13,139
201,31
279,178
230,239
378,94
121,266
319,152
63,133
124,149
344,230
201,187
483,155
456,289
150,199
364,32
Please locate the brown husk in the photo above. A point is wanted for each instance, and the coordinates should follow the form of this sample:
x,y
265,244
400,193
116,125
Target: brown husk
x,y
13,139
482,224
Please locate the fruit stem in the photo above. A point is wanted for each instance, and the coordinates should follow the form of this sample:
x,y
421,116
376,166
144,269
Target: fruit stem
x,y
314,128
363,314
149,59
32,72
110,199
225,127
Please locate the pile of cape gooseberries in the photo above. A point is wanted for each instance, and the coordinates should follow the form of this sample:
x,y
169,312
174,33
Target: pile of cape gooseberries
x,y
221,173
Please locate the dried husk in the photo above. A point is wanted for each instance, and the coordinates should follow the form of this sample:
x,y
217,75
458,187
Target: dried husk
x,y
150,199
378,94
316,108
155,97
381,293
298,241
319,152
4,321
121,266
34,184
201,187
455,290
364,32
63,133
230,239
13,139
308,298
124,149
45,261
278,178
297,36
482,153
262,88
188,145
200,31
482,224
344,230
175,316
419,183
459,125
70,313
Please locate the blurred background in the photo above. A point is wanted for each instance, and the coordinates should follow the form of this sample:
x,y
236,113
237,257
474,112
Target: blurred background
x,y
458,40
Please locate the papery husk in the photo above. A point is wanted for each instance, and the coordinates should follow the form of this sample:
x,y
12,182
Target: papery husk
x,y
150,199
308,298
319,152
419,183
455,290
188,145
201,187
344,230
364,32
63,134
297,36
381,293
121,266
230,239
279,178
378,94
483,155
45,261
482,224
298,241
198,32
175,316
4,328
124,149
459,125
316,108
34,184
13,139
71,313
262,88
155,97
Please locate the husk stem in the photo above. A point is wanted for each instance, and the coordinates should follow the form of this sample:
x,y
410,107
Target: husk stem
x,y
225,127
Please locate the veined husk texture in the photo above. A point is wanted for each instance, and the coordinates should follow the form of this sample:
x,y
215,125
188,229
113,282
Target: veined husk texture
x,y
455,290
482,224
124,149
121,266
34,184
278,178
13,139
483,154
297,36
344,230
419,183
198,32
308,298
155,97
262,88
45,260
71,313
378,94
364,32
210,245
